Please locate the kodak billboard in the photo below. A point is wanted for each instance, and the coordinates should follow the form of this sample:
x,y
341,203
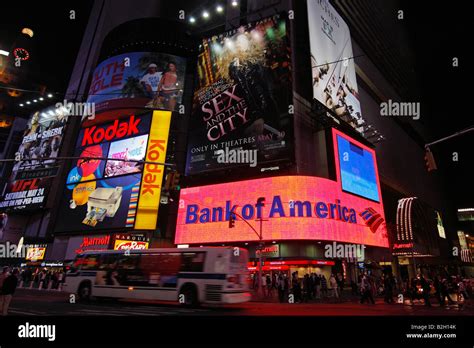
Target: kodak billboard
x,y
116,181
150,190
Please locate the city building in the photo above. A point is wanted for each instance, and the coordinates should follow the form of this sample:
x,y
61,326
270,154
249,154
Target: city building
x,y
294,126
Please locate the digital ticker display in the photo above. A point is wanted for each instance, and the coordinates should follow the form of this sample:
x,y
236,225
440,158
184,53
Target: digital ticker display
x,y
357,169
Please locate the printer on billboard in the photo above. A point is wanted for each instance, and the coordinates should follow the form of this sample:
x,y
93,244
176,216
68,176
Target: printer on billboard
x,y
105,198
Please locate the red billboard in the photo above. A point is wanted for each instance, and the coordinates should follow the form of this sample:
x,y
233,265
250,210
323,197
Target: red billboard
x,y
296,208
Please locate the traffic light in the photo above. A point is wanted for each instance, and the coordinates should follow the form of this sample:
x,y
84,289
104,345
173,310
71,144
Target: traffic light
x,y
430,160
169,179
175,181
172,181
232,220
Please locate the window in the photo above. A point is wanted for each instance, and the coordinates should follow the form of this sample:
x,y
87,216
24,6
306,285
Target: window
x,y
192,262
90,262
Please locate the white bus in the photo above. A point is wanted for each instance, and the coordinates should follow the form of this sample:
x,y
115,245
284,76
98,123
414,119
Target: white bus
x,y
190,276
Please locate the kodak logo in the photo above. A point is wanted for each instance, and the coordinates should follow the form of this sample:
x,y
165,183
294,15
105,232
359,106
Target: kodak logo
x,y
117,130
151,177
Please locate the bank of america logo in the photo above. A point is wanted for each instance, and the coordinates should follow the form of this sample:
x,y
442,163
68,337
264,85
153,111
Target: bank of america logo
x,y
372,219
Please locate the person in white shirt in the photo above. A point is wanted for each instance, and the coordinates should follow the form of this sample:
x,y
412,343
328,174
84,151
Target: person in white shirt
x,y
264,285
151,80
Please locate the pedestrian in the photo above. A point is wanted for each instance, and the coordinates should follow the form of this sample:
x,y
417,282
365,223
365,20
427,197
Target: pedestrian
x,y
306,288
333,283
268,281
7,291
4,275
282,288
313,285
462,289
264,285
340,283
296,287
388,288
324,286
366,290
317,285
437,285
425,288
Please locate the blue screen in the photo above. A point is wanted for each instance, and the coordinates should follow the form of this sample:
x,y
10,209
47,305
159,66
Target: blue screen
x,y
357,167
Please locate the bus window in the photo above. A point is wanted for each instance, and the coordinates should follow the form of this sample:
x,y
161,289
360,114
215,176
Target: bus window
x,y
90,262
161,269
128,262
77,263
192,262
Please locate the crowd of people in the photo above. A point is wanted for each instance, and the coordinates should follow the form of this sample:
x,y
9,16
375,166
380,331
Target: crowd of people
x,y
444,288
311,287
41,278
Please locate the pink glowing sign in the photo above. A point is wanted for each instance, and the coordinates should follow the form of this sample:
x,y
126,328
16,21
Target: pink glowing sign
x,y
296,207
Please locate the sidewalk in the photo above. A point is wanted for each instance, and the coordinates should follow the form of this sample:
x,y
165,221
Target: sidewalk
x,y
330,299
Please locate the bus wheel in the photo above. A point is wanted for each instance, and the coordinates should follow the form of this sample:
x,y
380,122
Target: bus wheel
x,y
188,296
84,292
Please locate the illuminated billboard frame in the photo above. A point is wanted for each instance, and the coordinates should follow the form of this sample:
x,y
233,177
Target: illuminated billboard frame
x,y
297,208
335,135
131,198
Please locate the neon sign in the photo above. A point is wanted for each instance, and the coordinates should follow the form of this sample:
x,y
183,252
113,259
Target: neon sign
x,y
297,208
119,129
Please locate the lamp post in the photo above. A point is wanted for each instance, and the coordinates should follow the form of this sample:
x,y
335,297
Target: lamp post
x,y
260,203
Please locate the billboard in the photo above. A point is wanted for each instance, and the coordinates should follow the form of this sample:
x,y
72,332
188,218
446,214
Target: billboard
x,y
357,167
103,193
35,252
138,79
296,208
242,97
80,244
332,62
30,180
133,149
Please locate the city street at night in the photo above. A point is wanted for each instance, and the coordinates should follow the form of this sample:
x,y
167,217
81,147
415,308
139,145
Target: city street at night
x,y
52,303
204,171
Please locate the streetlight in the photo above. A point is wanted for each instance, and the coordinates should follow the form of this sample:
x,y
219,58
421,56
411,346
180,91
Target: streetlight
x,y
259,205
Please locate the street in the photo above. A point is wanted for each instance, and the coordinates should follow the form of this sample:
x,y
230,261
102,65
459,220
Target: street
x,y
52,303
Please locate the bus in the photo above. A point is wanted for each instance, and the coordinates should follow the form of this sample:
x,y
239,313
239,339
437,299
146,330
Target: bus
x,y
189,276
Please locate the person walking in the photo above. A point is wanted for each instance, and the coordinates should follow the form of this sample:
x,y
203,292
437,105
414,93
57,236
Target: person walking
x,y
268,281
324,286
437,286
317,285
296,287
264,285
306,288
366,290
333,283
282,288
7,291
388,288
425,288
4,275
340,283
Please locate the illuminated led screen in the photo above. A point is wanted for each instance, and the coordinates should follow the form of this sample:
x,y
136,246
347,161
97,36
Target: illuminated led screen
x,y
357,169
296,207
